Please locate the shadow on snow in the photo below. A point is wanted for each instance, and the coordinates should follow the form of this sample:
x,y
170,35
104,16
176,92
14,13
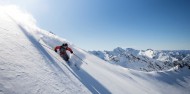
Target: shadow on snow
x,y
91,83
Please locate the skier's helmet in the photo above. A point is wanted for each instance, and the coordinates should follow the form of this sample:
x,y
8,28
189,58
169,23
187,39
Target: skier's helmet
x,y
65,45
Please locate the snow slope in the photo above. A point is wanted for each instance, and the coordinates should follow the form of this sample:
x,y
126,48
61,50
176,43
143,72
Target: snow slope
x,y
119,80
25,66
29,65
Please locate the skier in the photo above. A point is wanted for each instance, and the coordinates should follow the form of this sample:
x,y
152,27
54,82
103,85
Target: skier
x,y
63,48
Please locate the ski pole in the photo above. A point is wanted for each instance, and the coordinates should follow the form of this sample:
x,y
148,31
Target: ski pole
x,y
80,58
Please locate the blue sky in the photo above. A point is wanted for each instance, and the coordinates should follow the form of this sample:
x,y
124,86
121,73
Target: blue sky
x,y
107,24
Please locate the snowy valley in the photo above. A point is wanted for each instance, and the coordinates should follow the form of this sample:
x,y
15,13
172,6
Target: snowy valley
x,y
29,65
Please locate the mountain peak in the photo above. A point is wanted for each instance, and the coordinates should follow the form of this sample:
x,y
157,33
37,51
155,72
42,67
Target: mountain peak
x,y
118,50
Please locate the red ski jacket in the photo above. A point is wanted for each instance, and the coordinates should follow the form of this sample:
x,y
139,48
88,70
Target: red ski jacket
x,y
62,52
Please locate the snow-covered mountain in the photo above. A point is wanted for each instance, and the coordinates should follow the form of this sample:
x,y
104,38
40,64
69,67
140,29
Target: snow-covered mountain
x,y
28,65
146,60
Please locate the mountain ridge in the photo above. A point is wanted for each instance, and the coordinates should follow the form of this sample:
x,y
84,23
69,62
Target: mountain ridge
x,y
158,60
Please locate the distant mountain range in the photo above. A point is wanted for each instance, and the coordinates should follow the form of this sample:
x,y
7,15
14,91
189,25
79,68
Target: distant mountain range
x,y
146,60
